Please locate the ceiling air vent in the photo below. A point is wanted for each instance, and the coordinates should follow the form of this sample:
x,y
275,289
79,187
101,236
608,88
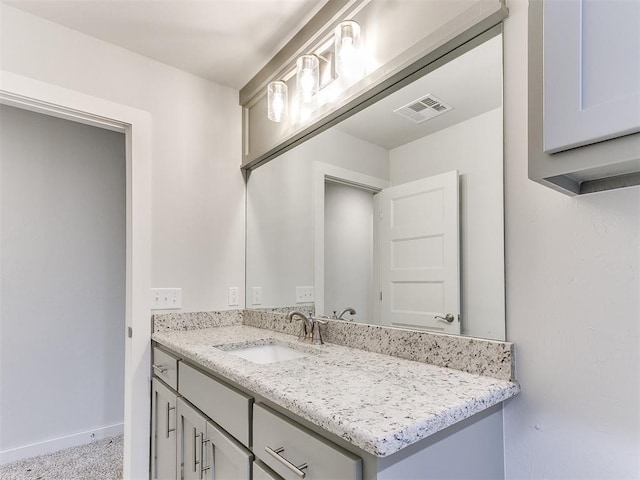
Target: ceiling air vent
x,y
423,109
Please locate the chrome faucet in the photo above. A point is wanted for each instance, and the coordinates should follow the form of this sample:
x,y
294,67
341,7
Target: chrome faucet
x,y
309,327
306,326
348,310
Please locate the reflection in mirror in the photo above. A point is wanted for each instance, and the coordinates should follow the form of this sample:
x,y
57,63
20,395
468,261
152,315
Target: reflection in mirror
x,y
396,213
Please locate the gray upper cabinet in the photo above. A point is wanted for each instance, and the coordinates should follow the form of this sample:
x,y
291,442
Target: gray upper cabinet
x,y
584,94
592,71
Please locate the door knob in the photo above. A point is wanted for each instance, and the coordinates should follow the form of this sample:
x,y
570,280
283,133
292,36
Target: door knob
x,y
447,318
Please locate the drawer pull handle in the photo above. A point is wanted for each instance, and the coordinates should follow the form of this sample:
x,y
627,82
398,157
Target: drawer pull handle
x,y
159,368
295,469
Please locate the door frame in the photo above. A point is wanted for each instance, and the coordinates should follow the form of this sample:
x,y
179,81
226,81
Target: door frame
x,y
36,96
321,173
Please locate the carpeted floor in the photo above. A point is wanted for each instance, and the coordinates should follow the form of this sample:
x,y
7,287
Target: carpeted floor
x,y
99,460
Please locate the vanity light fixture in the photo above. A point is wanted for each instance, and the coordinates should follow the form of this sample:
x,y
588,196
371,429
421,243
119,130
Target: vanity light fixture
x,y
277,101
348,50
318,71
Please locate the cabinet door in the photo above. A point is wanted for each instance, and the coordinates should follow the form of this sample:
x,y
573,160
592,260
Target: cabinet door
x,y
226,458
262,472
163,432
192,427
591,71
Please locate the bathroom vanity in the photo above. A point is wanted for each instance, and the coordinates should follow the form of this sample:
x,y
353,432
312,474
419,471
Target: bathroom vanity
x,y
333,412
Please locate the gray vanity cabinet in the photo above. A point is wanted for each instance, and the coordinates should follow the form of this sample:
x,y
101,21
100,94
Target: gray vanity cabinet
x,y
163,415
163,431
262,472
295,452
192,430
225,405
205,451
224,433
227,458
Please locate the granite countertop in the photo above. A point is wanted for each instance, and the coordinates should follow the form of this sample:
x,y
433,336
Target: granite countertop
x,y
377,402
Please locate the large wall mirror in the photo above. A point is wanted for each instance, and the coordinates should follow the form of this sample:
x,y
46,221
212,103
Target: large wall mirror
x,y
395,213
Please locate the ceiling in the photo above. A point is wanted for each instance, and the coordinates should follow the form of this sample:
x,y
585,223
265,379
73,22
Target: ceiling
x,y
471,84
226,41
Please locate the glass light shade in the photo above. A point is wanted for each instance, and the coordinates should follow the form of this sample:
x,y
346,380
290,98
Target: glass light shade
x,y
348,47
277,101
307,78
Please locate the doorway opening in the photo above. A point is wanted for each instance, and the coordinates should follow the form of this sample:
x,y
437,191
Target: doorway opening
x,y
348,249
29,94
62,285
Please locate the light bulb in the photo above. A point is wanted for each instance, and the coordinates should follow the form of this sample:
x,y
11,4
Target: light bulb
x,y
277,101
307,78
347,46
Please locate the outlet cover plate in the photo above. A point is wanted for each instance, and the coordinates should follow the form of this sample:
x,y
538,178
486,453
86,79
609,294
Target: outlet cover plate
x,y
234,296
256,296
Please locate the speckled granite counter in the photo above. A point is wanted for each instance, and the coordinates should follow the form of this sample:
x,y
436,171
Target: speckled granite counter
x,y
377,402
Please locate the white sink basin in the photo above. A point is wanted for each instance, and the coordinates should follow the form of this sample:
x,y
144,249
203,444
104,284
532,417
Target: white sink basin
x,y
270,353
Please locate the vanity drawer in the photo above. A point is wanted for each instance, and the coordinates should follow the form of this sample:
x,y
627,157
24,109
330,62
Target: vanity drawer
x,y
228,407
165,367
287,447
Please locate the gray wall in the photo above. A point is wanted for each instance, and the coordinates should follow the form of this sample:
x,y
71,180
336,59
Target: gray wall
x,y
280,211
62,291
573,311
348,250
197,189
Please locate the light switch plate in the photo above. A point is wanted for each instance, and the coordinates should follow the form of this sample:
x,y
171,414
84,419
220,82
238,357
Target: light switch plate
x,y
166,298
304,294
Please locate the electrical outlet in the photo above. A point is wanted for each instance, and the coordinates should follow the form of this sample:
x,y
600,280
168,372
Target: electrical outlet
x,y
234,296
304,294
256,296
166,298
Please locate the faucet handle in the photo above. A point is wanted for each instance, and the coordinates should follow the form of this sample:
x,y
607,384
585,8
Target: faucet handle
x,y
317,334
302,333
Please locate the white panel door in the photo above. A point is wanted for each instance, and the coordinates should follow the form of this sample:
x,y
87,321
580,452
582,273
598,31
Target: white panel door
x,y
419,254
591,71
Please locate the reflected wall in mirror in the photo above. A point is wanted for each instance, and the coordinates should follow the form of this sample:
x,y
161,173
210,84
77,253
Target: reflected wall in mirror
x,y
396,212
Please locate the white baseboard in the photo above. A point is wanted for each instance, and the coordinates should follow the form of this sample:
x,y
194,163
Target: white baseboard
x,y
60,443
